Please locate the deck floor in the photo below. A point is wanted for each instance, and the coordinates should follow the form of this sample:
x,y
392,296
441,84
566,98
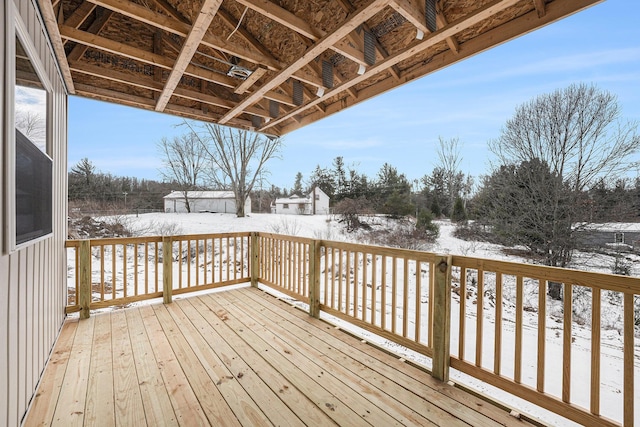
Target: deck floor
x,y
237,358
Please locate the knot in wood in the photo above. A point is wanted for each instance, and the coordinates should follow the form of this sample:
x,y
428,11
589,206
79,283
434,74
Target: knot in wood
x,y
442,266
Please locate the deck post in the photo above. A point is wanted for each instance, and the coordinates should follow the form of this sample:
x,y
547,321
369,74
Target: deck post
x,y
314,278
441,317
167,269
84,275
255,252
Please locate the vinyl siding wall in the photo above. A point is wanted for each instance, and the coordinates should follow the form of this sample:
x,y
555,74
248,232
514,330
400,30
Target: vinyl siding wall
x,y
32,279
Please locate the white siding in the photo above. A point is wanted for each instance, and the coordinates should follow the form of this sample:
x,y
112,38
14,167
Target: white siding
x,y
32,279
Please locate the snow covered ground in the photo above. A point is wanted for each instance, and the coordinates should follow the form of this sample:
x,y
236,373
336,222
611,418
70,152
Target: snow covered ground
x,y
328,228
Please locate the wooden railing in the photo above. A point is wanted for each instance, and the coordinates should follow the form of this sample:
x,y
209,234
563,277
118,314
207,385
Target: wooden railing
x,y
120,271
540,363
502,333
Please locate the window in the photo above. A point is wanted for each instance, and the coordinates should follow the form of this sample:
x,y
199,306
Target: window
x,y
30,168
285,206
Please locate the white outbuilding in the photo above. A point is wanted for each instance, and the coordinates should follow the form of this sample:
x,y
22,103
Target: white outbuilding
x,y
203,201
315,203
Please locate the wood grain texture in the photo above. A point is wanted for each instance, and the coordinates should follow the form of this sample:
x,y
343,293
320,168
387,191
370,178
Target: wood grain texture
x,y
243,357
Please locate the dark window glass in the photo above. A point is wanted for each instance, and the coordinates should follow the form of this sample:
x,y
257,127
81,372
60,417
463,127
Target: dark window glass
x,y
33,191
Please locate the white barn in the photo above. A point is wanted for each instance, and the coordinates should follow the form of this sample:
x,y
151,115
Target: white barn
x,y
316,202
204,201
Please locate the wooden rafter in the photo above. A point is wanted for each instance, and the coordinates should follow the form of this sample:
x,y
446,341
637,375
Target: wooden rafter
x,y
434,38
200,26
249,81
158,54
175,26
496,36
355,19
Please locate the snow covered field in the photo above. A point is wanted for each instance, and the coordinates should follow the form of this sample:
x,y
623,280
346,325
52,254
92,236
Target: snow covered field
x,y
327,228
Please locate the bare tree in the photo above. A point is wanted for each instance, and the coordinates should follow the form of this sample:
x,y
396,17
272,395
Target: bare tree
x,y
577,131
239,157
577,134
185,162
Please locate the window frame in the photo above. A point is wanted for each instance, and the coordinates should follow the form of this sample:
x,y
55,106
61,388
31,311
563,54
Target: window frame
x,y
16,29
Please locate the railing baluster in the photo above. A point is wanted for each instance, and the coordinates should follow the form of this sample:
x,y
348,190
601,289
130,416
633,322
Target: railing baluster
x,y
197,262
146,267
442,318
405,299
356,285
566,343
383,293
462,291
629,370
365,263
113,271
497,345
542,333
167,269
595,350
124,269
479,316
418,316
374,268
394,295
333,278
432,281
348,284
517,363
135,269
101,273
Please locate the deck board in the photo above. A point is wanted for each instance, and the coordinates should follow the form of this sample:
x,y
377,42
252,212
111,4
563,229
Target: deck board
x,y
241,358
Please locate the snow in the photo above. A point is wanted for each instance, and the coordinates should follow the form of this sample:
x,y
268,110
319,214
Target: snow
x,y
328,228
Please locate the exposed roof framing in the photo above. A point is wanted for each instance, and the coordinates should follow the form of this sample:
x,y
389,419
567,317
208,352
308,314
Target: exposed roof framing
x,y
233,61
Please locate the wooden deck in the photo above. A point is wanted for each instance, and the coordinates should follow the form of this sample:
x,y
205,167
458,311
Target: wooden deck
x,y
233,358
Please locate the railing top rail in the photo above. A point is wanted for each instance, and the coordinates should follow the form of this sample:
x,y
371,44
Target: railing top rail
x,y
305,240
150,239
604,281
382,250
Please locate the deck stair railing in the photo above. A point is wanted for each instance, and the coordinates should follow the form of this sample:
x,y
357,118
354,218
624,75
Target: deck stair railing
x,y
492,320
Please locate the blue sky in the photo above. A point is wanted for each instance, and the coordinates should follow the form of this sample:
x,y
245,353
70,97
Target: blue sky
x,y
470,100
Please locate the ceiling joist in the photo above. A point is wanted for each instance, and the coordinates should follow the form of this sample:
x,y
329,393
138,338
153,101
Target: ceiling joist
x,y
208,11
237,62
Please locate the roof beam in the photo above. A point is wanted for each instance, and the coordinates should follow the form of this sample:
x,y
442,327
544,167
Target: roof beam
x,y
51,22
141,55
200,27
250,81
151,84
148,104
158,20
461,24
367,11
